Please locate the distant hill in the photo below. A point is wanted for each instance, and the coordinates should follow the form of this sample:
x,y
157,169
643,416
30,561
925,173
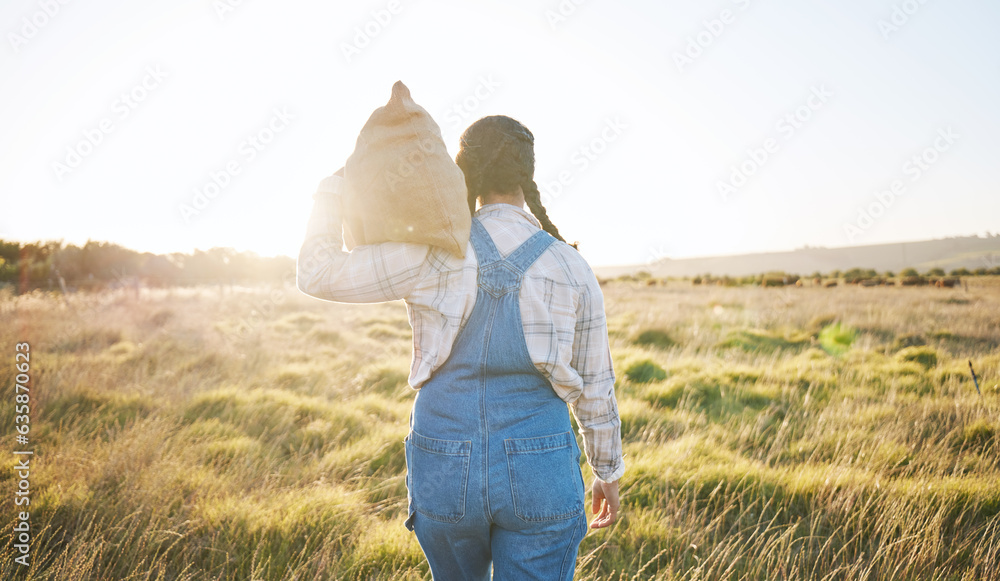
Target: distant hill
x,y
970,252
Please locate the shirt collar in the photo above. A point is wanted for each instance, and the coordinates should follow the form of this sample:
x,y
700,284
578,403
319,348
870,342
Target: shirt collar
x,y
507,211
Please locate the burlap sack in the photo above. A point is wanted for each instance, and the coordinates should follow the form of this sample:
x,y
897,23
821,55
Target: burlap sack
x,y
400,183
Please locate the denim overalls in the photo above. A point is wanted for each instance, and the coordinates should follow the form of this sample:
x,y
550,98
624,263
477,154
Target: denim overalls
x,y
492,463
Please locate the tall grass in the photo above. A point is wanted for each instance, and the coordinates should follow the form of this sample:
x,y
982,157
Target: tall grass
x,y
246,433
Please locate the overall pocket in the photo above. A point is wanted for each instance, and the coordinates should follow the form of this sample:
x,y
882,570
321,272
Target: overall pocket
x,y
437,474
545,477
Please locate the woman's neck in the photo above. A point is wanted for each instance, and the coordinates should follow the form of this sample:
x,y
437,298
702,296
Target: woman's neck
x,y
513,197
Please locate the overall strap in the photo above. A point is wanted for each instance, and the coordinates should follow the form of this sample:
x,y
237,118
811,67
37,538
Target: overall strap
x,y
521,258
529,251
486,251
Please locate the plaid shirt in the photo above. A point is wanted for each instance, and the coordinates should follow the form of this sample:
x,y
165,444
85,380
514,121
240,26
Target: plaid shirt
x,y
562,308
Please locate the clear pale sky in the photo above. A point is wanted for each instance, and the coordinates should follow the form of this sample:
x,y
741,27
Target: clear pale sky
x,y
642,108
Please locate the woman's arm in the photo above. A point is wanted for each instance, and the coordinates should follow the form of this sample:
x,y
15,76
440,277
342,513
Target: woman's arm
x,y
371,273
596,409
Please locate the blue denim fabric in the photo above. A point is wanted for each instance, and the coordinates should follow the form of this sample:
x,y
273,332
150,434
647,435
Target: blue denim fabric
x,y
493,467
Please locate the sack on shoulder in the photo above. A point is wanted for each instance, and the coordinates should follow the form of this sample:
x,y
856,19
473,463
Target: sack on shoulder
x,y
400,183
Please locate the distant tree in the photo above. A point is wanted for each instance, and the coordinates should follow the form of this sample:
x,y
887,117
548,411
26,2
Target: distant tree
x,y
909,272
9,254
856,275
98,264
935,272
160,270
10,251
34,263
211,266
960,272
8,271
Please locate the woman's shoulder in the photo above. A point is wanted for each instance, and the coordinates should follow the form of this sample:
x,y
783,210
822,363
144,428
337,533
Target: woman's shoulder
x,y
567,261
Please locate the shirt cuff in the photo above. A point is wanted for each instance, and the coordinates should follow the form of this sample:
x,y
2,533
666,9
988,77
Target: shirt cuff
x,y
616,474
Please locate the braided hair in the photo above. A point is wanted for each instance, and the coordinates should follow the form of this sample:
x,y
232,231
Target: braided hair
x,y
497,154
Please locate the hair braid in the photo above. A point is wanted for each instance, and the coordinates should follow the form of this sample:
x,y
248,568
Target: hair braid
x,y
534,200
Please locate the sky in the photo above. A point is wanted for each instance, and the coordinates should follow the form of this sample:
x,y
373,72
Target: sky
x,y
662,129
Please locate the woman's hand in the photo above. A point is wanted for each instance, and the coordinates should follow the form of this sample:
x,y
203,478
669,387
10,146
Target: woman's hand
x,y
605,506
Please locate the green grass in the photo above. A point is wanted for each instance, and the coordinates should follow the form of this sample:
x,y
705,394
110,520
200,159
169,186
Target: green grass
x,y
836,339
645,371
759,341
925,356
769,434
655,338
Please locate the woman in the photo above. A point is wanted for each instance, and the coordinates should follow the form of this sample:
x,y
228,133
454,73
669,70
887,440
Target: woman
x,y
503,339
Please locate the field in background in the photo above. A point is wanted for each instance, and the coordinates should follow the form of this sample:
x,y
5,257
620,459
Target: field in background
x,y
970,252
792,433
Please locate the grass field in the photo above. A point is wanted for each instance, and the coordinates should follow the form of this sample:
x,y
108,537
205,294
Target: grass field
x,y
238,434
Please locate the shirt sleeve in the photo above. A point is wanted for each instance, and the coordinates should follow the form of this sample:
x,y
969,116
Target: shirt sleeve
x,y
370,273
596,409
